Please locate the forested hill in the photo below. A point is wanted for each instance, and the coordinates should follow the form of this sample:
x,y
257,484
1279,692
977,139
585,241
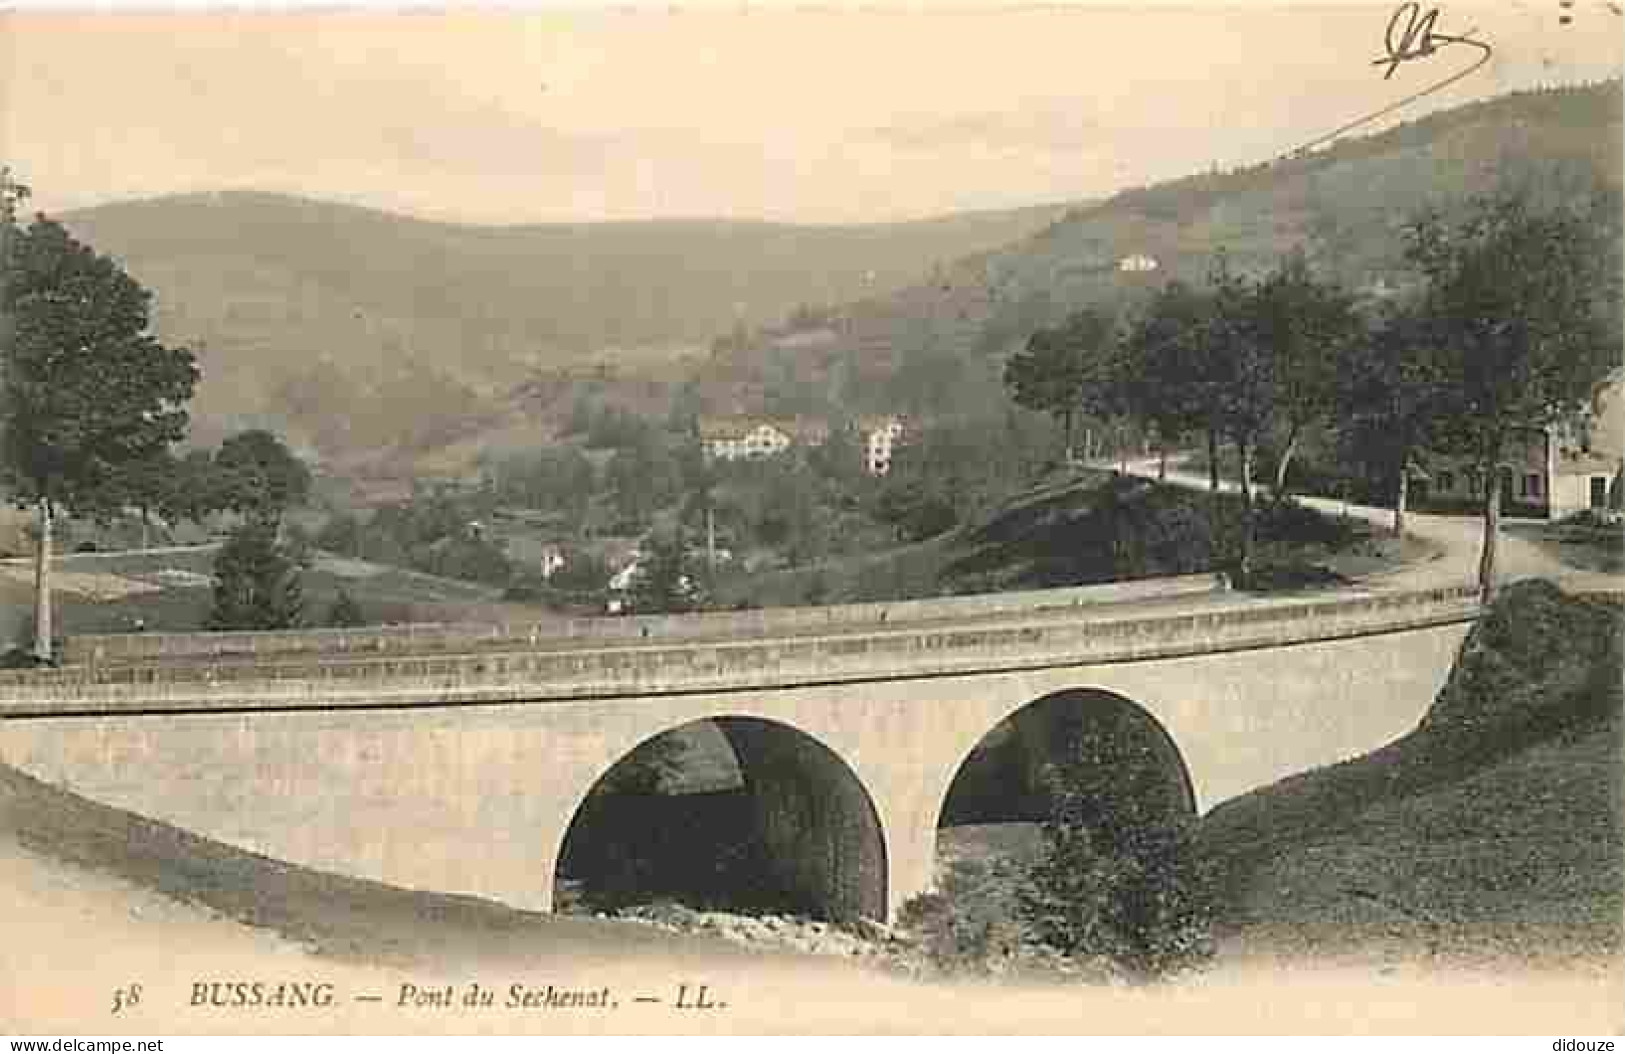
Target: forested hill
x,y
1345,204
374,337
305,309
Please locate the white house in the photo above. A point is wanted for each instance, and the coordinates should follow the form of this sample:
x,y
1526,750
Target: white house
x,y
747,438
552,561
880,437
736,438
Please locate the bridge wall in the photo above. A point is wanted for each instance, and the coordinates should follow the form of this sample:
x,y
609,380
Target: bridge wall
x,y
476,798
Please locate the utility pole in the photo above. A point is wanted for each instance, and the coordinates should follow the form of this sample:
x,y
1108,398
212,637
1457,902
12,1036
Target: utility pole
x,y
710,537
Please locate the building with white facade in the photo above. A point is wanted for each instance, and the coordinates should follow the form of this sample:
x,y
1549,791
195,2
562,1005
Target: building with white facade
x,y
741,438
880,437
750,438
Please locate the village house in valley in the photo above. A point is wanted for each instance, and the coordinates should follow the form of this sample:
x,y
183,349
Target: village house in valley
x,y
742,437
880,437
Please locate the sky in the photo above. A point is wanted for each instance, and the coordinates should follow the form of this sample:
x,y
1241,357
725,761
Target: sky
x,y
753,111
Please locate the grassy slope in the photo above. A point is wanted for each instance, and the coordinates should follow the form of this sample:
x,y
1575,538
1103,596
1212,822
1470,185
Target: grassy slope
x,y
327,914
1061,533
1496,827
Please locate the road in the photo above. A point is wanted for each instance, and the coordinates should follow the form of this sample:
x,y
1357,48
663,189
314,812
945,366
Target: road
x,y
1458,539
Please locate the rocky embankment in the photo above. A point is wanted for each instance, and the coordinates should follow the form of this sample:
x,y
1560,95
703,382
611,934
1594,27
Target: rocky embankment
x,y
797,933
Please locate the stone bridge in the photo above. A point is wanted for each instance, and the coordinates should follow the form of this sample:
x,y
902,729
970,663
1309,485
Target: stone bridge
x,y
851,740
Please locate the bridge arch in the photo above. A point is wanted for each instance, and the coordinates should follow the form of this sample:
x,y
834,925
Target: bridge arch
x,y
732,811
1001,778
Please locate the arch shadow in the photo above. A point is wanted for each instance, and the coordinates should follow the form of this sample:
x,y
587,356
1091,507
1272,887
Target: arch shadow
x,y
735,813
1140,774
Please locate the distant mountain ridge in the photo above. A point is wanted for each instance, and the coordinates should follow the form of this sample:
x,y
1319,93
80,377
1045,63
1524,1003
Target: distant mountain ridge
x,y
375,338
1345,204
300,307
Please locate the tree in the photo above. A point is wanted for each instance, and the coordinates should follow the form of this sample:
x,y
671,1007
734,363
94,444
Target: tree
x,y
1524,303
256,581
260,476
1166,371
1238,388
1270,354
87,392
12,194
1302,324
1119,875
666,579
194,488
1064,371
642,478
1389,395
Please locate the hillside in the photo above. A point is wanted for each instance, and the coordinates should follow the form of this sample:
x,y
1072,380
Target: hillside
x,y
1081,529
1496,828
353,325
927,347
395,347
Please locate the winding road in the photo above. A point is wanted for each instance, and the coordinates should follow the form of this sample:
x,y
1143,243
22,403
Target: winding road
x,y
1458,540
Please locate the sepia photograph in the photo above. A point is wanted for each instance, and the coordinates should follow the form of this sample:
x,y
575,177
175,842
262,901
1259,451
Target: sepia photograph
x,y
716,518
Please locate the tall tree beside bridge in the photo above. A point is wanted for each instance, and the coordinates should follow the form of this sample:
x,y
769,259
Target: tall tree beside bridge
x,y
87,389
1525,303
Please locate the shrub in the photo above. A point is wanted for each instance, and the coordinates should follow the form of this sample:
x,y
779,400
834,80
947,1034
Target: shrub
x,y
256,581
21,658
973,925
1119,877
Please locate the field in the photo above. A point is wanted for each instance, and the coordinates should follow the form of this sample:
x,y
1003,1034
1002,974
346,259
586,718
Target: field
x,y
170,590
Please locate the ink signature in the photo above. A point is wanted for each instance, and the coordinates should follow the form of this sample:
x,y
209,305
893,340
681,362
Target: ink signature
x,y
1411,36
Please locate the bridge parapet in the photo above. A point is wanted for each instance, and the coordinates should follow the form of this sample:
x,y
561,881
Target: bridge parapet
x,y
1044,640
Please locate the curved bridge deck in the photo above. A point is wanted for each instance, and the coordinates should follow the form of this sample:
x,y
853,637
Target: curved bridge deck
x,y
797,655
